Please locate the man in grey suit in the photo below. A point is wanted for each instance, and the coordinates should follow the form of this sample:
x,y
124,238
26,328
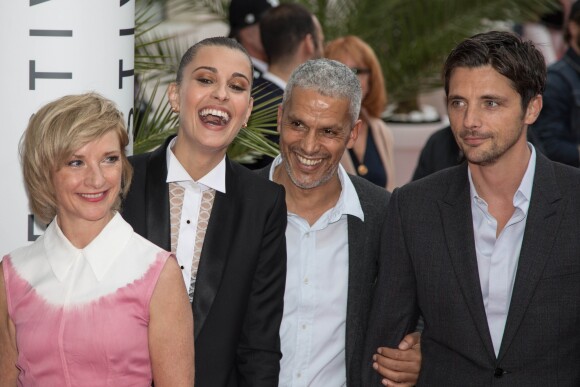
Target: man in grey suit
x,y
487,252
335,224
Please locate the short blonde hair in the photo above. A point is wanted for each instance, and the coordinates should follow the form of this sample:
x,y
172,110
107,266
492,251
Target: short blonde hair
x,y
376,99
54,133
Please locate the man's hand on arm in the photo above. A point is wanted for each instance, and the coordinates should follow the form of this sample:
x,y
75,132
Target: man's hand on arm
x,y
400,366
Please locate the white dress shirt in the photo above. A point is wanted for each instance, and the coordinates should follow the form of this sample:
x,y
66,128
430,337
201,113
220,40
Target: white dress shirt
x,y
313,326
497,258
193,191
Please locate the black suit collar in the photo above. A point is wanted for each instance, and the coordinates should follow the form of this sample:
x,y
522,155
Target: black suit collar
x,y
157,199
455,209
215,251
542,225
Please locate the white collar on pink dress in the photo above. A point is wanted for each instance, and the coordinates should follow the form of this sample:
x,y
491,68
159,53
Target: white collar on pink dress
x,y
100,253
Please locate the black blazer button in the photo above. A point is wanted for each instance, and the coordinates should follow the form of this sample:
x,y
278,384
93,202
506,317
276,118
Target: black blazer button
x,y
498,373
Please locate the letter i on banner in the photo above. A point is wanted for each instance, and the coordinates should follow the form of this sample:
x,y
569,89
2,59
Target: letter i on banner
x,y
53,48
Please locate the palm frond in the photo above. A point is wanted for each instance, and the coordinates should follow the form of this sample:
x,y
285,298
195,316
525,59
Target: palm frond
x,y
150,46
253,141
153,122
219,8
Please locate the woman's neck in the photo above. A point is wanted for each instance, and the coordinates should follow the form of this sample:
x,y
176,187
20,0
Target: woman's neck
x,y
197,163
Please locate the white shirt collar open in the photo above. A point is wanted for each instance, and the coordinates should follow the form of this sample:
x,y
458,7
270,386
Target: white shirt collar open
x,y
176,173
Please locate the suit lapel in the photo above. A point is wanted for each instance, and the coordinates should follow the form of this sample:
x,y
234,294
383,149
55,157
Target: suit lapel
x,y
356,281
362,272
220,232
542,224
455,211
157,199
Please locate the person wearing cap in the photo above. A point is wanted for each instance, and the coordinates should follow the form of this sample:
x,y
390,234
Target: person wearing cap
x,y
558,126
244,17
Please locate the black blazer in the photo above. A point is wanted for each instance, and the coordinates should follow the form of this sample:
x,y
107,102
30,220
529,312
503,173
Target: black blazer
x,y
364,240
238,299
431,266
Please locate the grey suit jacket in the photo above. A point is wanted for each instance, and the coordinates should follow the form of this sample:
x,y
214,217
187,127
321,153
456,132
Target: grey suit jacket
x,y
364,240
431,268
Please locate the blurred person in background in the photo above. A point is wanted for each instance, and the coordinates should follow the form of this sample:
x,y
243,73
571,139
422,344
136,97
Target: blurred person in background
x,y
558,126
291,35
372,156
244,19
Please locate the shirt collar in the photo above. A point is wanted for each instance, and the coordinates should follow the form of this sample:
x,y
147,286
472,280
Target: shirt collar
x,y
259,64
176,173
348,202
275,80
100,253
524,192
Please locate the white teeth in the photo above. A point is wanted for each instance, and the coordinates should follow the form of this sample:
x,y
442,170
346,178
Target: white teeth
x,y
308,162
215,112
92,196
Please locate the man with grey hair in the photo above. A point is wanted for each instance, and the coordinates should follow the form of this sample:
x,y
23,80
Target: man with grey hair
x,y
335,224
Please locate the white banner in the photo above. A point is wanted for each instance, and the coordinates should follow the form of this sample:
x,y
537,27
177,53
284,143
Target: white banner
x,y
50,48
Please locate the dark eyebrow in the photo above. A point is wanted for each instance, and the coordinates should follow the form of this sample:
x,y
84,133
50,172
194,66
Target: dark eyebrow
x,y
214,70
492,96
454,96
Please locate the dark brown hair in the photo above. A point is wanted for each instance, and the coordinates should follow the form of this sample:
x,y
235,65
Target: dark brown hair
x,y
508,54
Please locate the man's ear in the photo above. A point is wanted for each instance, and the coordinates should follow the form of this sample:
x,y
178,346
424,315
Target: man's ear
x,y
309,45
533,110
353,134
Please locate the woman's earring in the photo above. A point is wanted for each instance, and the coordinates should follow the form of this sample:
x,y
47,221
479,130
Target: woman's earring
x,y
245,125
174,109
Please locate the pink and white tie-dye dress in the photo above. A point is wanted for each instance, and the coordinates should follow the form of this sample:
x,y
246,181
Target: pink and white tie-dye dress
x,y
81,315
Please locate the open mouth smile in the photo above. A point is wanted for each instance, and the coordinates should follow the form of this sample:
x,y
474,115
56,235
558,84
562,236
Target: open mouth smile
x,y
214,117
308,162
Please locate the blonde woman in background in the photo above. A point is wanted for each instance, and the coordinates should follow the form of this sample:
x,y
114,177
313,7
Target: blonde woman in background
x,y
372,155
